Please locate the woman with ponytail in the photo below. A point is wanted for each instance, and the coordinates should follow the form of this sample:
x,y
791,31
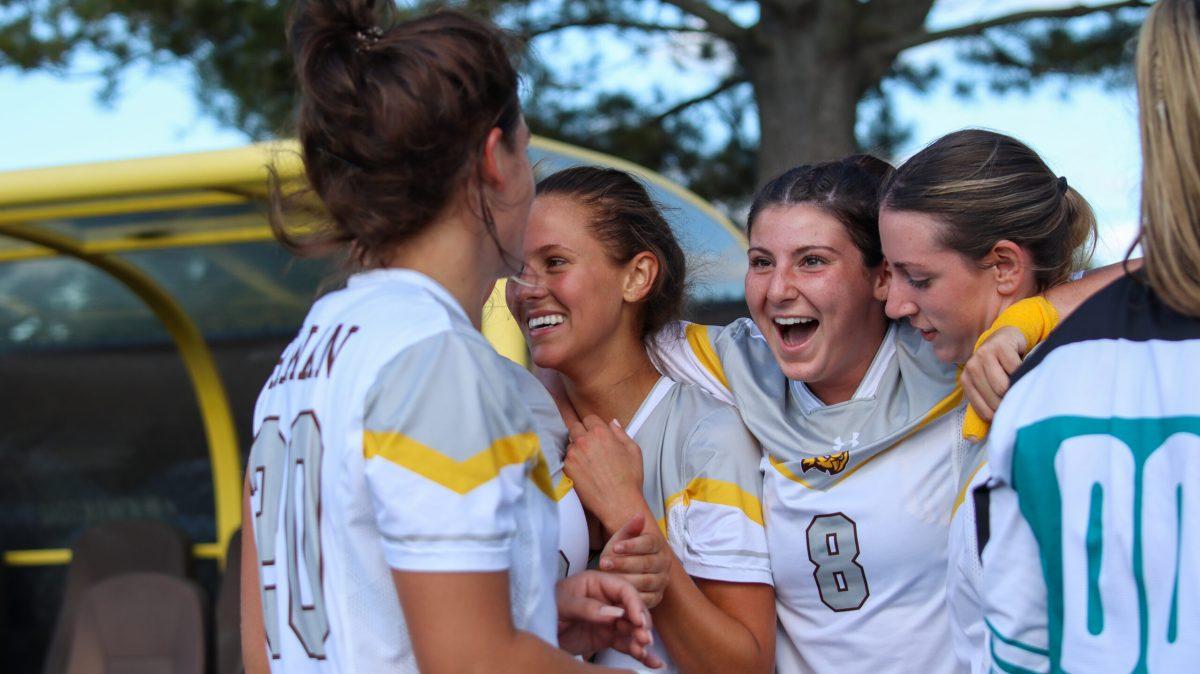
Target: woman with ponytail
x,y
1094,529
860,424
399,509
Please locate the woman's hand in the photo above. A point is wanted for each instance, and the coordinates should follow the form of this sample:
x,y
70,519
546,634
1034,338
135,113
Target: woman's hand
x,y
986,375
640,554
600,610
606,467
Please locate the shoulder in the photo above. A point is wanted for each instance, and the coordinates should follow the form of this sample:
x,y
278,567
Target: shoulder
x,y
1127,310
713,428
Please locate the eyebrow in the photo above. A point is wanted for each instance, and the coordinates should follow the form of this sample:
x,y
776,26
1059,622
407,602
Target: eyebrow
x,y
542,250
802,250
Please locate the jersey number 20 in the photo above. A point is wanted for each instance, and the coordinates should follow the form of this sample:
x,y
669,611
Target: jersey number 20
x,y
287,476
833,550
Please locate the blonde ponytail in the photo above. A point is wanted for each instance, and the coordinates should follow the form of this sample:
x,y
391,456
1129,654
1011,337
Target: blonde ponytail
x,y
1168,74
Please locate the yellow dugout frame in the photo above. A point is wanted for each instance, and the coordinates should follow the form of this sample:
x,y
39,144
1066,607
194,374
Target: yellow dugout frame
x,y
32,197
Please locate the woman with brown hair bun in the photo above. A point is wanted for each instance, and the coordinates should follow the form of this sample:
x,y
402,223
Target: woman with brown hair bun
x,y
398,508
1095,452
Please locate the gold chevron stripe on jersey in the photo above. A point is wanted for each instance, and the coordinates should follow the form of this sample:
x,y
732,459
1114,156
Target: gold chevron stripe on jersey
x,y
701,343
716,492
460,476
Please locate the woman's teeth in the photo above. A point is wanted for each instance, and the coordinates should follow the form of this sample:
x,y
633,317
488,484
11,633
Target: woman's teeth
x,y
793,321
795,330
541,321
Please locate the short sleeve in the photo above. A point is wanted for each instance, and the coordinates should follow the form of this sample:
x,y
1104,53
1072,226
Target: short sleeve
x,y
450,453
686,352
715,524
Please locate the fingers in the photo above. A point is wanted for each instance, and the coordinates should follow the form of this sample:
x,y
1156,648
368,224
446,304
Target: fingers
x,y
649,543
628,533
977,401
587,609
633,564
997,379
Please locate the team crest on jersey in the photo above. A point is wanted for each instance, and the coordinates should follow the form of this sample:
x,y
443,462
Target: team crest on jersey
x,y
830,463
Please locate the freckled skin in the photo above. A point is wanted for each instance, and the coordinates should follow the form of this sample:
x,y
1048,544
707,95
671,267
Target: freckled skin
x,y
577,278
803,263
930,284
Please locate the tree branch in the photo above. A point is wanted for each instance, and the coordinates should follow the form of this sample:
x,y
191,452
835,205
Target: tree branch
x,y
718,22
724,85
595,21
925,37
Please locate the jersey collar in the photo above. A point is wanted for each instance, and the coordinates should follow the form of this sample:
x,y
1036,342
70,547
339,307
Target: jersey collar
x,y
412,278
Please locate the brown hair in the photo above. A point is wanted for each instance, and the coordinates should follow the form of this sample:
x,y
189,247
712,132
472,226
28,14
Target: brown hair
x,y
985,187
1168,69
628,222
392,118
847,189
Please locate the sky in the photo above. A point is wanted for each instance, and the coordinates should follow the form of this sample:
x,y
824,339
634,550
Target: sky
x,y
1085,132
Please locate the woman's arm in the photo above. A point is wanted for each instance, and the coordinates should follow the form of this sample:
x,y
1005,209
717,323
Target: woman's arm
x,y
714,626
254,650
1067,297
706,625
461,623
986,375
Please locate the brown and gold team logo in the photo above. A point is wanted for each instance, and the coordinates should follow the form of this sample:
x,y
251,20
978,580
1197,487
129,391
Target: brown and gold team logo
x,y
830,463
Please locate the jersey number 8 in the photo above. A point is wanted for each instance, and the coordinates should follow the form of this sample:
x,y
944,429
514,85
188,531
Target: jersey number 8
x,y
833,550
286,475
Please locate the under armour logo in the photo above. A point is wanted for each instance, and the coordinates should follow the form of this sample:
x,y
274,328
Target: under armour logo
x,y
839,443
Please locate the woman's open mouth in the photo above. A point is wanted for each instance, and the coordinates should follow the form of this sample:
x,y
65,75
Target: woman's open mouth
x,y
795,331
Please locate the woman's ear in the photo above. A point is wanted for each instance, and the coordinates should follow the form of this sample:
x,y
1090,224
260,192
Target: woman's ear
x,y
1011,265
491,165
639,277
881,278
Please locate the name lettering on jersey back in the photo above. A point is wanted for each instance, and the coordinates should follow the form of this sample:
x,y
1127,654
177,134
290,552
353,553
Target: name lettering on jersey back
x,y
313,356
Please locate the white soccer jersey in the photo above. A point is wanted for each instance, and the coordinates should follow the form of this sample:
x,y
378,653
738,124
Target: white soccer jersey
x,y
1093,536
390,436
857,496
703,485
573,541
964,582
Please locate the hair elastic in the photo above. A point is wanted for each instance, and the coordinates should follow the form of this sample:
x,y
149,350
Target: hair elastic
x,y
368,38
1062,184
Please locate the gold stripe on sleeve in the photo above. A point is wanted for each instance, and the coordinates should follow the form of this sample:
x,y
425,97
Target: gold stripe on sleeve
x,y
717,492
564,487
702,349
460,476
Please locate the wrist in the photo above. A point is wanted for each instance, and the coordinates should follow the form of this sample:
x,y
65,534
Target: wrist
x,y
1033,316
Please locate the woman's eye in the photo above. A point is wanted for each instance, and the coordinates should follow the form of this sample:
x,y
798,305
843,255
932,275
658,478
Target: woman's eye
x,y
760,262
555,262
919,283
811,261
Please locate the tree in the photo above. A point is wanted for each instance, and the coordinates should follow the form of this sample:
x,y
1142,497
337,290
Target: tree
x,y
797,71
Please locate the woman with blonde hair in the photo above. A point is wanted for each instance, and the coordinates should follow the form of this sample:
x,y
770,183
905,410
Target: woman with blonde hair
x,y
1094,529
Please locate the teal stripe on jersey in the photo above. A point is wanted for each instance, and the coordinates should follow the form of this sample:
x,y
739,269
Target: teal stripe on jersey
x,y
1173,624
1013,642
1008,667
1035,481
1095,551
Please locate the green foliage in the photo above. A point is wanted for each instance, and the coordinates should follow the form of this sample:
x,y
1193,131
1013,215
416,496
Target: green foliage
x,y
242,73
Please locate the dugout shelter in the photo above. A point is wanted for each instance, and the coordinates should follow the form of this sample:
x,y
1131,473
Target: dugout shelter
x,y
142,305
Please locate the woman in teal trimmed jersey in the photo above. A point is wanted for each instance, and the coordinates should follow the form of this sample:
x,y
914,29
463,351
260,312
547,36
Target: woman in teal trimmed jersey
x,y
602,272
1094,503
